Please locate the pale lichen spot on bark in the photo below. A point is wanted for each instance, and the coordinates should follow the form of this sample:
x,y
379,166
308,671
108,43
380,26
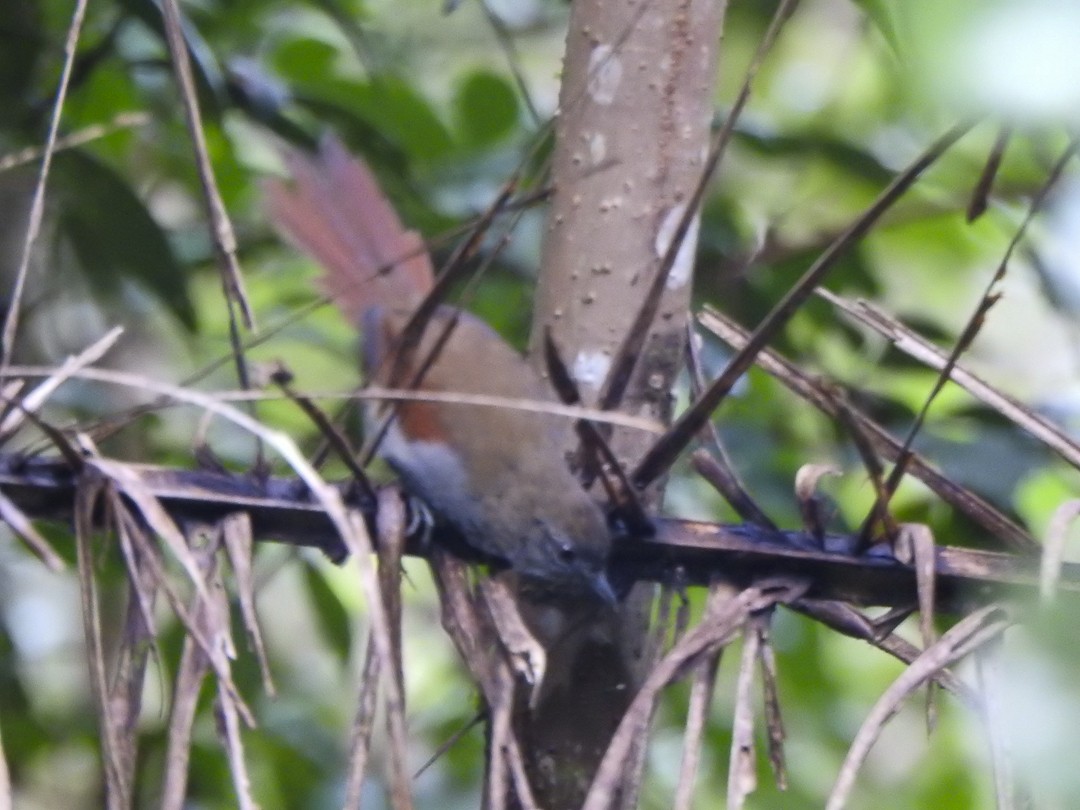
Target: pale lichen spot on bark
x,y
597,148
682,269
605,74
591,368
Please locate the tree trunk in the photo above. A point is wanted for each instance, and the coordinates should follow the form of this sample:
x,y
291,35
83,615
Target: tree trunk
x,y
631,138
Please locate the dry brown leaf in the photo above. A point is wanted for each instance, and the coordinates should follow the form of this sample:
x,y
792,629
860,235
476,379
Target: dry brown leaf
x,y
1053,556
722,620
478,646
774,721
391,548
742,763
527,655
697,717
130,484
238,540
118,783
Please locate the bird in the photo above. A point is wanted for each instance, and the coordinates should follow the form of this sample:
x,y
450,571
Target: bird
x,y
498,475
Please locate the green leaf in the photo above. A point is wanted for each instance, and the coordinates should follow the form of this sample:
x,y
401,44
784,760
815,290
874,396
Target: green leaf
x,y
404,115
331,614
114,235
304,60
883,16
389,105
485,109
801,146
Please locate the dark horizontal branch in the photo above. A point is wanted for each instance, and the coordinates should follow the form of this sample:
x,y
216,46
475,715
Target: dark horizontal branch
x,y
681,552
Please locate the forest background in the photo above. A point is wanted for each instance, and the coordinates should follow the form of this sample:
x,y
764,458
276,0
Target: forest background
x,y
445,104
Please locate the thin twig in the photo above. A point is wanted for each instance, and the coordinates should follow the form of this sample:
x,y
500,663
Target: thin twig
x,y
117,784
697,715
25,530
844,618
449,742
36,398
37,204
391,527
137,643
985,184
660,456
513,60
200,653
332,435
193,630
214,618
972,328
224,238
352,532
189,677
478,644
823,397
229,730
774,720
122,121
237,537
718,470
1053,556
362,727
371,393
969,634
914,345
722,620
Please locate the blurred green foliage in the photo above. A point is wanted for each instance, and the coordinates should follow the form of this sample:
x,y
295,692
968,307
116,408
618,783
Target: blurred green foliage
x,y
850,95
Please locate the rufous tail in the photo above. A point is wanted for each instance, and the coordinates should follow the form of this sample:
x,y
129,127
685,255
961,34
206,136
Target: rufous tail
x,y
333,210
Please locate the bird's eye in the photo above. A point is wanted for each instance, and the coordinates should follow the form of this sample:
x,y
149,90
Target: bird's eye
x,y
566,553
